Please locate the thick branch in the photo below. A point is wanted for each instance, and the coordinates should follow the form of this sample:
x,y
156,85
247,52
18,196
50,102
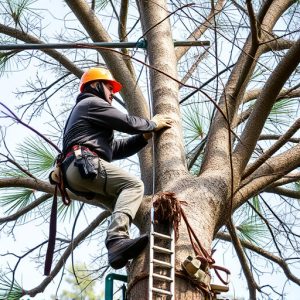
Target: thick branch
x,y
45,187
199,31
216,153
27,38
271,171
288,178
253,23
122,30
130,92
284,94
264,105
265,254
252,285
278,44
275,147
284,192
79,238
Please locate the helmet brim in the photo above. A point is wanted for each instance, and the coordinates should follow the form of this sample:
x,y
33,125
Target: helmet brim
x,y
117,86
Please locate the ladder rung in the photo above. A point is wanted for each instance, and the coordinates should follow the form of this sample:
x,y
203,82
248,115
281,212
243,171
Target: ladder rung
x,y
162,236
162,277
161,263
162,250
161,291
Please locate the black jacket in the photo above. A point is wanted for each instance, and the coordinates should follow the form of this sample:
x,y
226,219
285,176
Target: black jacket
x,y
92,122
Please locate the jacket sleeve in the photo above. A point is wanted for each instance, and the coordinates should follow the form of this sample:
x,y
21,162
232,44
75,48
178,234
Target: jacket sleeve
x,y
123,148
102,113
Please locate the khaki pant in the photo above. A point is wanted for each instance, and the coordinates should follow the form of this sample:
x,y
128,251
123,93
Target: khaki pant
x,y
125,191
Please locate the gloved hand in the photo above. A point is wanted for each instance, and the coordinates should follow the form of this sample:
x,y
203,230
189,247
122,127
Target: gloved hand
x,y
162,121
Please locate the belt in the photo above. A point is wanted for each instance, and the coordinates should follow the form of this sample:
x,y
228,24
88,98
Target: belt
x,y
76,147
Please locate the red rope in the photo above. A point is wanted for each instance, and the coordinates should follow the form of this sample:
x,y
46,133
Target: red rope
x,y
169,209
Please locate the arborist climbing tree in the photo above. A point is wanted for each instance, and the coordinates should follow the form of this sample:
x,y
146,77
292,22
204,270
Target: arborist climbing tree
x,y
89,147
234,141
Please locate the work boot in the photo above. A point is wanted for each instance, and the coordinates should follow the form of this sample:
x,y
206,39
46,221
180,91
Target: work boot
x,y
121,250
120,247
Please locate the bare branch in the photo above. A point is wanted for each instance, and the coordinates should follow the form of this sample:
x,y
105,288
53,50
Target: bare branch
x,y
281,262
268,173
275,147
79,238
21,212
284,192
264,104
198,32
284,93
252,285
253,23
27,38
18,166
276,137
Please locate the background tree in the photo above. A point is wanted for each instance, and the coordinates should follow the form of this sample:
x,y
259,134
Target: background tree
x,y
82,286
233,154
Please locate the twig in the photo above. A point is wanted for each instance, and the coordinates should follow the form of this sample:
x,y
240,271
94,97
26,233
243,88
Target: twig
x,y
275,147
18,166
252,285
18,120
21,212
79,238
281,262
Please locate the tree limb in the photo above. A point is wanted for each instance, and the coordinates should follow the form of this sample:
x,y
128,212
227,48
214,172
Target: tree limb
x,y
27,38
199,31
253,23
263,105
275,147
268,173
79,238
21,212
45,187
276,137
281,262
252,285
284,192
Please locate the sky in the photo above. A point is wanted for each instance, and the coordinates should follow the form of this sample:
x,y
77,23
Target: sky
x,y
30,275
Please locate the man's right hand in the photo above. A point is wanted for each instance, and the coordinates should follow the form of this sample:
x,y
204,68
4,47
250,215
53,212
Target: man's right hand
x,y
162,121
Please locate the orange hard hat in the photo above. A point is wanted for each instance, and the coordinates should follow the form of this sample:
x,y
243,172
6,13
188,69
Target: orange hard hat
x,y
102,74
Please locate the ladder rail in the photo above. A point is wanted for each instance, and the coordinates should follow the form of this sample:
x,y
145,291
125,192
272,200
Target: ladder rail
x,y
151,256
172,284
169,266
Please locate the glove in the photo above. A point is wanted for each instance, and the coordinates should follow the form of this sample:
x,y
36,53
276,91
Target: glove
x,y
162,121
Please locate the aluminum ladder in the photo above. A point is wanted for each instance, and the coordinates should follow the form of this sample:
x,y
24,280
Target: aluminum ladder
x,y
162,263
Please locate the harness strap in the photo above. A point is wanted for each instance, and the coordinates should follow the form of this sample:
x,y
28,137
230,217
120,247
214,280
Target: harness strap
x,y
52,235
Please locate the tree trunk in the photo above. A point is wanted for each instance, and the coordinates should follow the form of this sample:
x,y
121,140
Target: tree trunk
x,y
204,194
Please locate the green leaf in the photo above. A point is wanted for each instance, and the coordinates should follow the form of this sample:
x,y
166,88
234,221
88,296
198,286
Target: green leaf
x,y
252,230
37,155
16,198
9,290
282,112
193,122
249,225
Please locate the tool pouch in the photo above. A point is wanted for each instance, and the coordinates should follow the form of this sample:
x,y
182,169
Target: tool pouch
x,y
84,163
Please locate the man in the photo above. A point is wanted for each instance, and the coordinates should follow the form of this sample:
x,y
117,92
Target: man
x,y
90,147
